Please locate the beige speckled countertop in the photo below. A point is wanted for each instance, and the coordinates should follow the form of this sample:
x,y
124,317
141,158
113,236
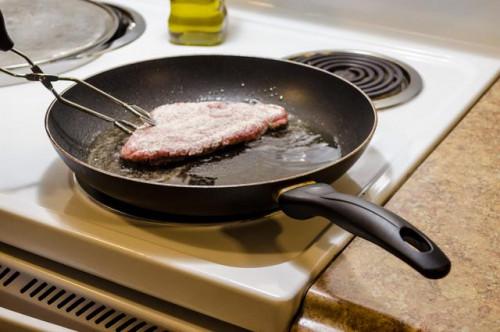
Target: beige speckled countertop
x,y
454,198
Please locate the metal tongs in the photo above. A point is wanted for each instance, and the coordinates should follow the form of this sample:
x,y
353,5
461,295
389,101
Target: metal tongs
x,y
37,74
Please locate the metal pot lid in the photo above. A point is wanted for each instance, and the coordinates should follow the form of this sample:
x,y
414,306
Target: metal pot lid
x,y
48,30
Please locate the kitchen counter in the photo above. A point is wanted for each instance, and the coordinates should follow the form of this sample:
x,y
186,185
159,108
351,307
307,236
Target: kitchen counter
x,y
454,198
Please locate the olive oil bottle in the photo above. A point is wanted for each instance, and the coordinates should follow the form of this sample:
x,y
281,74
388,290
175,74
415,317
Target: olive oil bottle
x,y
197,22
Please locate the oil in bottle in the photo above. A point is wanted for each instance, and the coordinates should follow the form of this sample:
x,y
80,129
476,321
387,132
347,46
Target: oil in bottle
x,y
197,22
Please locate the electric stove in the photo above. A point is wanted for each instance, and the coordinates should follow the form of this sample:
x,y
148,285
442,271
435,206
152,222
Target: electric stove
x,y
68,259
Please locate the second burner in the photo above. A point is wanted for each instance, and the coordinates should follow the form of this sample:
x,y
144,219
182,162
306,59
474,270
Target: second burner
x,y
386,81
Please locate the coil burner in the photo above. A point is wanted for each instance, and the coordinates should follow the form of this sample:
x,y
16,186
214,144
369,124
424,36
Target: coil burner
x,y
386,81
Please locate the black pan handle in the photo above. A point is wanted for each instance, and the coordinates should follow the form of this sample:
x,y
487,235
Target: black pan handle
x,y
369,221
6,44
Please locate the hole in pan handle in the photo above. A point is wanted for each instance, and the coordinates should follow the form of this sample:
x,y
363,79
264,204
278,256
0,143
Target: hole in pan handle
x,y
369,221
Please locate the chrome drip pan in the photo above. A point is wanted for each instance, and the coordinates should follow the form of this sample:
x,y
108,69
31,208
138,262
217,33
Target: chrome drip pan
x,y
60,36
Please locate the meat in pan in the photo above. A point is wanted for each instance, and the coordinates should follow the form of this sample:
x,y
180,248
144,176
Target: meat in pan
x,y
192,129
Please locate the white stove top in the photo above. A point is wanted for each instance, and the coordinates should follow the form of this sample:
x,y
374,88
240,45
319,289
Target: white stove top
x,y
252,274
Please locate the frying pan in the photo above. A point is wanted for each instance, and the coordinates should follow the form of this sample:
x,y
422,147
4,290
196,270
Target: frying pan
x,y
330,105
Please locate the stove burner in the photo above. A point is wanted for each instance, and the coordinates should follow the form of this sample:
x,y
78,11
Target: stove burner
x,y
386,81
140,214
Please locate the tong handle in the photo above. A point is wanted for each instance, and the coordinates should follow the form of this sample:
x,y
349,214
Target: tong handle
x,y
6,44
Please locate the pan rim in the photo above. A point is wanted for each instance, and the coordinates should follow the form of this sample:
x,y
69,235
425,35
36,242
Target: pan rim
x,y
307,174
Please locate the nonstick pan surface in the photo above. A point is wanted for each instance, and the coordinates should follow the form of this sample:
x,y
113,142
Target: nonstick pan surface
x,y
330,112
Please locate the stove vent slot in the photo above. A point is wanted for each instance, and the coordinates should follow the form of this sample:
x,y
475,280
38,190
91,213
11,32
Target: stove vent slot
x,y
5,278
91,312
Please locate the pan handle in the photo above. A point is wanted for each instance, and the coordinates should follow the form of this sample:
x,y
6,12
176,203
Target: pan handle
x,y
369,221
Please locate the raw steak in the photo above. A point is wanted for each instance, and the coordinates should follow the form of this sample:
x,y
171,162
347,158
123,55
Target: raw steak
x,y
192,129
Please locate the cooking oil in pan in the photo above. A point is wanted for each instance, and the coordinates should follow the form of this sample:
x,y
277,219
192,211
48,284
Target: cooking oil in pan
x,y
278,154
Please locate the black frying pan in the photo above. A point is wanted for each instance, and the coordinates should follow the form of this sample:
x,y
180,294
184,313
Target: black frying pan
x,y
240,181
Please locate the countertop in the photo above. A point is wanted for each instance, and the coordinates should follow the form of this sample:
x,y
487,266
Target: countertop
x,y
453,197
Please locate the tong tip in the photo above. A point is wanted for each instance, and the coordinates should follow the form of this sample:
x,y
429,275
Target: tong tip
x,y
143,115
149,120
